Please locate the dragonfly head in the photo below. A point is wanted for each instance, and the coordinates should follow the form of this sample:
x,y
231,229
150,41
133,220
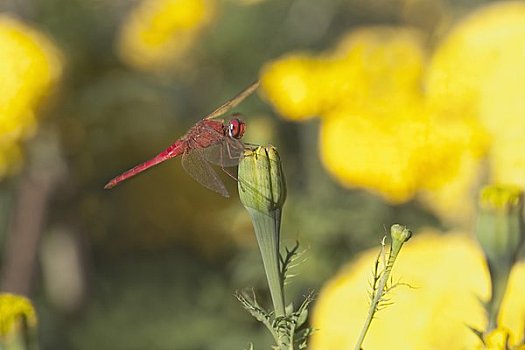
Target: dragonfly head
x,y
236,127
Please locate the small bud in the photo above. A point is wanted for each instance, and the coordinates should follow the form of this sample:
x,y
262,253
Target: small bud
x,y
500,223
400,233
499,231
261,180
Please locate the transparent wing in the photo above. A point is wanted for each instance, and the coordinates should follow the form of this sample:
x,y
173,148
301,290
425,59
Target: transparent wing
x,y
234,101
197,167
225,153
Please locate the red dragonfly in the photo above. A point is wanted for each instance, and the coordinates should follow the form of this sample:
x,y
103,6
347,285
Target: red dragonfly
x,y
208,141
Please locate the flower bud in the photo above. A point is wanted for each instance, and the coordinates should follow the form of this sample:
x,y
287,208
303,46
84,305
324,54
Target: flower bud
x,y
400,233
500,223
499,231
261,180
262,190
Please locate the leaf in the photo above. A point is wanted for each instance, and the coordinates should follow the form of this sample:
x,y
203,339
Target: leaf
x,y
302,312
301,341
287,261
258,312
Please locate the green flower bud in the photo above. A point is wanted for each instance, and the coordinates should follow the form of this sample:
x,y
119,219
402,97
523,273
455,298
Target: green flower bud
x,y
499,231
261,181
262,190
500,223
400,233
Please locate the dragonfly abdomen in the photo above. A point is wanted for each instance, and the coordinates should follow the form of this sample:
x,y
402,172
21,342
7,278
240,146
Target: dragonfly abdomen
x,y
172,151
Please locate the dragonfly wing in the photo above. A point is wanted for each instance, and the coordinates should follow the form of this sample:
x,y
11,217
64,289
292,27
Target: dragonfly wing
x,y
197,167
225,153
226,106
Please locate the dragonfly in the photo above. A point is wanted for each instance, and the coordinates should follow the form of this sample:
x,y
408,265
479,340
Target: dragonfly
x,y
210,141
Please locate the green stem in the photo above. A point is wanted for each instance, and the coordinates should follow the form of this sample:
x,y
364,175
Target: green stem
x,y
267,232
400,235
498,286
373,305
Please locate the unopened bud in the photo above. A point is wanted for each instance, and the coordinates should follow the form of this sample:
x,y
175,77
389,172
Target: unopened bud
x,y
400,233
261,180
262,190
499,231
500,223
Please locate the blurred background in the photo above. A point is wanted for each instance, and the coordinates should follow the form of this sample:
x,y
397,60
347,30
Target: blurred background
x,y
383,112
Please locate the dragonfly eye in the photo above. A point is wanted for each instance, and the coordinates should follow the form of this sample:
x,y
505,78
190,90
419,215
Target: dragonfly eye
x,y
236,128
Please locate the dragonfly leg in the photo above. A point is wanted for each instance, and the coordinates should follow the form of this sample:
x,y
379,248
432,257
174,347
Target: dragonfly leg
x,y
230,174
251,146
235,155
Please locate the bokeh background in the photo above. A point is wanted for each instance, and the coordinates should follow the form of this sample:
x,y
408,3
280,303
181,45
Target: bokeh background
x,y
383,111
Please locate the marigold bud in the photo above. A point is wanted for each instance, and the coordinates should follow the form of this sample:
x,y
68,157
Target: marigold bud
x,y
261,180
499,231
262,190
500,223
400,233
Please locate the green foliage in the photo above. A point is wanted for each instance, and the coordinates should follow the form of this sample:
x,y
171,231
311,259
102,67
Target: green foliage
x,y
288,331
381,276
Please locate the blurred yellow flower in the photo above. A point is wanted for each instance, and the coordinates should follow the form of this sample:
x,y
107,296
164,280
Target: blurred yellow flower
x,y
478,71
359,152
497,340
456,158
379,134
14,309
448,276
158,33
379,69
476,47
29,66
354,75
502,110
291,84
400,126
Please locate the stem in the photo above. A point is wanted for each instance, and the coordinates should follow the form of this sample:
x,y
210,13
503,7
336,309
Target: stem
x,y
395,247
267,232
498,286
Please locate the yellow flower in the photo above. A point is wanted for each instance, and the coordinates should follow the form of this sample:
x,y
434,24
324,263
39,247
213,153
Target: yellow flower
x,y
158,33
478,72
377,69
460,145
29,66
359,152
383,137
502,110
371,67
497,340
448,276
291,85
13,309
401,127
474,49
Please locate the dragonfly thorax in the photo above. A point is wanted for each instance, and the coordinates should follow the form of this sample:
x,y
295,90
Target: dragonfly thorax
x,y
236,128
